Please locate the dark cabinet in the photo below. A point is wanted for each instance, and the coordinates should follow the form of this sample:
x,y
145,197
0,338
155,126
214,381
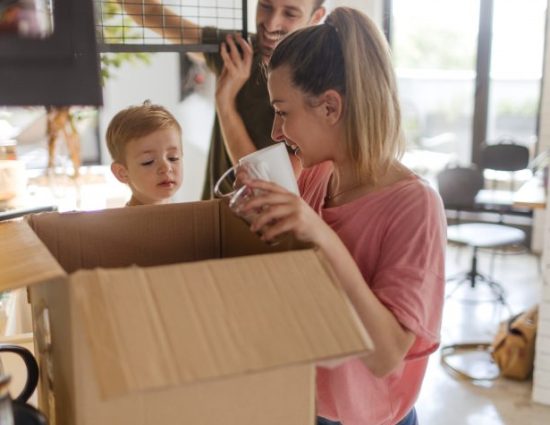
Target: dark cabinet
x,y
60,69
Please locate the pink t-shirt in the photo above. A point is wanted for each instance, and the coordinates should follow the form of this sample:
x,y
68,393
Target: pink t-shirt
x,y
397,236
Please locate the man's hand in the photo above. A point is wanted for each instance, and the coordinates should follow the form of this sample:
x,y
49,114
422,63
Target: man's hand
x,y
235,73
236,70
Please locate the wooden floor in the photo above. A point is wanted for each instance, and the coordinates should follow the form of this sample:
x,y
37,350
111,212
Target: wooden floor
x,y
447,400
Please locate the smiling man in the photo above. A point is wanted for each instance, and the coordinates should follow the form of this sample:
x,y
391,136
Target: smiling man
x,y
244,116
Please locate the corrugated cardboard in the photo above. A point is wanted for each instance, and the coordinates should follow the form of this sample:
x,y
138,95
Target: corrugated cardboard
x,y
162,314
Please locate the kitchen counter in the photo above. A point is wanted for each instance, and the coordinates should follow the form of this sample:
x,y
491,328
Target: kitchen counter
x,y
95,189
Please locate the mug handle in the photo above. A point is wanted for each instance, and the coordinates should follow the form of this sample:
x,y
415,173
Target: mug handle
x,y
217,192
32,370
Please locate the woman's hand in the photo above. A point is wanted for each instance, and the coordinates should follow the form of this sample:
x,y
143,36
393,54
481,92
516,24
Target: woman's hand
x,y
243,174
280,211
236,70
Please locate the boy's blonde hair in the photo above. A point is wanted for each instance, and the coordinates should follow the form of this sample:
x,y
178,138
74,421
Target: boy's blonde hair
x,y
349,54
135,122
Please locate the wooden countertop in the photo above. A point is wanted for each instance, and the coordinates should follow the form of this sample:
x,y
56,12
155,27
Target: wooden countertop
x,y
531,194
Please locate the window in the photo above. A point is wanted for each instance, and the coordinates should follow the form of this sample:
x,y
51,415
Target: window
x,y
444,49
516,69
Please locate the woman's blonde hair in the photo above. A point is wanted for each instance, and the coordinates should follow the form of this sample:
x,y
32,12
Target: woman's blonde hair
x,y
349,54
135,122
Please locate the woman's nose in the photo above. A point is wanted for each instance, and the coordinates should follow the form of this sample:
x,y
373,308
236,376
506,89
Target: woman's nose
x,y
276,130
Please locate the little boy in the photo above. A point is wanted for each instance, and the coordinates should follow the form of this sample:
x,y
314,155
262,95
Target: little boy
x,y
145,144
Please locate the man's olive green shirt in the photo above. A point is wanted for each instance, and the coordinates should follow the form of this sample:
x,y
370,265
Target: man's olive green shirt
x,y
252,105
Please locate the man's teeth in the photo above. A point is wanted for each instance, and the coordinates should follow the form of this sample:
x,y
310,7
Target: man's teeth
x,y
272,37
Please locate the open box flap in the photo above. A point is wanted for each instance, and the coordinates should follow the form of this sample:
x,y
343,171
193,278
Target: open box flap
x,y
23,258
151,328
147,235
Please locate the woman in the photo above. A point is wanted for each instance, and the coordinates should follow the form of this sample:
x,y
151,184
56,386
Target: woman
x,y
380,226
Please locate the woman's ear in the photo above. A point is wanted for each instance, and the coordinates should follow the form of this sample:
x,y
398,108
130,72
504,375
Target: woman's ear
x,y
333,106
120,172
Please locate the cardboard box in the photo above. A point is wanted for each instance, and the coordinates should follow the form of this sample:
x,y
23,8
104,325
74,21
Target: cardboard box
x,y
175,314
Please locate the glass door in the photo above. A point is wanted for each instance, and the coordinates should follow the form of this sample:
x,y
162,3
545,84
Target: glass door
x,y
453,105
434,46
516,70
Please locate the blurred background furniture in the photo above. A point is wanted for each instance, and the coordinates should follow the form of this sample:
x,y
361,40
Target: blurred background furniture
x,y
458,188
10,213
500,163
56,65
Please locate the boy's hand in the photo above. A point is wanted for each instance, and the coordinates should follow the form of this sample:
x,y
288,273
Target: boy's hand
x,y
236,70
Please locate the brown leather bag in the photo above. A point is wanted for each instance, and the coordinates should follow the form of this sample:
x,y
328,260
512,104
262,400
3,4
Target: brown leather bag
x,y
513,348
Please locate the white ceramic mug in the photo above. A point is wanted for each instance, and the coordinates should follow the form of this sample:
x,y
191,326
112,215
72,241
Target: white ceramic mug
x,y
13,179
270,164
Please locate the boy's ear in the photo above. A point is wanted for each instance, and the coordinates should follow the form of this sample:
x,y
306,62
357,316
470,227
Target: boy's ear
x,y
120,172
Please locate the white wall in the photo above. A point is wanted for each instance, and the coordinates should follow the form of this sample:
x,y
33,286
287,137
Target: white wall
x,y
541,381
373,8
544,127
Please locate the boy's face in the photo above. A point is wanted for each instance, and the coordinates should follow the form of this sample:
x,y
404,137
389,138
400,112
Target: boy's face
x,y
153,167
277,18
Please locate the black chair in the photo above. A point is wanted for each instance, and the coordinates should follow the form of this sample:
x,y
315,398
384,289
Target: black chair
x,y
458,188
505,156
